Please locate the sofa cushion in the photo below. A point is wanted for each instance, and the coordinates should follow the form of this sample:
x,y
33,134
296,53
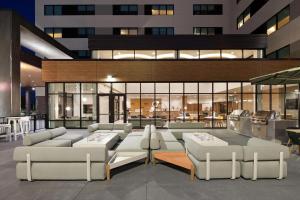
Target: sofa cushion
x,y
136,133
106,126
154,141
167,137
132,143
34,138
58,132
171,146
54,143
265,169
218,169
217,153
266,152
62,154
93,127
69,136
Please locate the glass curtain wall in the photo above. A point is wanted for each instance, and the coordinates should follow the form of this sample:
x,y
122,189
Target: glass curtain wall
x,y
76,105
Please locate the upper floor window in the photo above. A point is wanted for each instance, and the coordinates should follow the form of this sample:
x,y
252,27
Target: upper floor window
x,y
284,52
255,6
70,32
159,31
275,23
207,9
83,53
208,30
125,31
159,9
125,9
69,10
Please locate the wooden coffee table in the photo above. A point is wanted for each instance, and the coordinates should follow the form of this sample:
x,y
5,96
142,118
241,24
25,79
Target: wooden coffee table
x,y
176,158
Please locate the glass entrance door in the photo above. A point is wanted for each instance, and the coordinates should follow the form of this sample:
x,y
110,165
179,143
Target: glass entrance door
x,y
111,108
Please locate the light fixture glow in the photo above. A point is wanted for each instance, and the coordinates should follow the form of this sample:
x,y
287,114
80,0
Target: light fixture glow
x,y
68,108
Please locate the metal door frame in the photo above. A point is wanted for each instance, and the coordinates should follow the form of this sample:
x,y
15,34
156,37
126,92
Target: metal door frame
x,y
111,106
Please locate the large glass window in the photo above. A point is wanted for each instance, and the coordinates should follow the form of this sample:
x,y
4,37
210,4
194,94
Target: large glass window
x,y
176,109
263,97
172,54
278,93
291,101
189,54
190,107
234,96
232,54
166,54
74,105
205,110
145,54
123,54
210,54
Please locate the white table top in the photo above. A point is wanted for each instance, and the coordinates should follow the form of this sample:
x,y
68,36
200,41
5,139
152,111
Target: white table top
x,y
95,140
123,158
205,139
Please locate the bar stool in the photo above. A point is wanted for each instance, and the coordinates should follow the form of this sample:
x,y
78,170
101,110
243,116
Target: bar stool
x,y
25,124
7,130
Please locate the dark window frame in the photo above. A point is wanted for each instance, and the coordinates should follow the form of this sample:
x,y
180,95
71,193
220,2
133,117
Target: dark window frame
x,y
204,9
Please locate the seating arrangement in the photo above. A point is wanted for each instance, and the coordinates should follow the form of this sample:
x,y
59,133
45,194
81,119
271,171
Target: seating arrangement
x,y
259,159
58,155
57,137
178,128
122,129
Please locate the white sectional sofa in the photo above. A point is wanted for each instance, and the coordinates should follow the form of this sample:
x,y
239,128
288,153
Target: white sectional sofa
x,y
259,159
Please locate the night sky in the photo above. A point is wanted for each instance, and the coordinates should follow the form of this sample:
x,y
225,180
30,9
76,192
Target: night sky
x,y
24,7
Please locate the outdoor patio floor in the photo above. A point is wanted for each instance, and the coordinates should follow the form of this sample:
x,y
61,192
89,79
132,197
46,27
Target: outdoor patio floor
x,y
152,182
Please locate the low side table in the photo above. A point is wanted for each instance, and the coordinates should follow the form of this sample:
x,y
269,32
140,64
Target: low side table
x,y
176,158
123,158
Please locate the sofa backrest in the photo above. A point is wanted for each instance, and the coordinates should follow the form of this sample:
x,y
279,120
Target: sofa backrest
x,y
155,140
60,154
266,150
105,126
35,138
127,127
93,127
185,125
58,132
145,141
217,153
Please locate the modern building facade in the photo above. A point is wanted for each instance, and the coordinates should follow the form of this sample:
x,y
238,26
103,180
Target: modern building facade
x,y
162,61
72,22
